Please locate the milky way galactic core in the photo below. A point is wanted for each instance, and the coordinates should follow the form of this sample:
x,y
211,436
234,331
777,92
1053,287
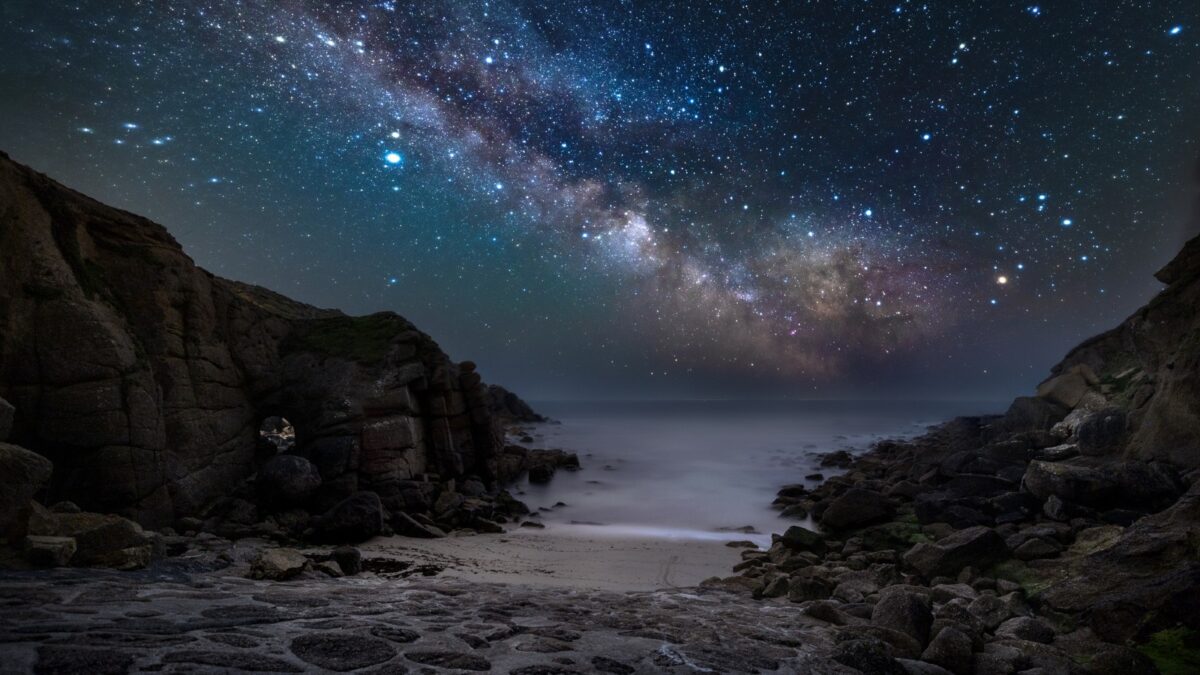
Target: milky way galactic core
x,y
658,198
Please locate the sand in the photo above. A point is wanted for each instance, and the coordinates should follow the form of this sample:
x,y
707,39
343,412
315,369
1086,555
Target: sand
x,y
577,557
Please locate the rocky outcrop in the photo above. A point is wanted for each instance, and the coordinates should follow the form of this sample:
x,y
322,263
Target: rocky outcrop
x,y
509,407
145,379
22,474
1144,375
1051,538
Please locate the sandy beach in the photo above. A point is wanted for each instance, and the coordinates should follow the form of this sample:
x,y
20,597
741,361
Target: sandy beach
x,y
579,557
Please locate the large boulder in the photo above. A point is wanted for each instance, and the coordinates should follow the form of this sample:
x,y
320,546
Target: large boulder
x,y
1101,432
799,538
287,480
101,540
977,547
951,649
1069,481
1102,485
905,611
355,519
22,474
857,507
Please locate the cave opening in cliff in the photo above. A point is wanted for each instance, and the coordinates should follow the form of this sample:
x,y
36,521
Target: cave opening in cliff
x,y
277,434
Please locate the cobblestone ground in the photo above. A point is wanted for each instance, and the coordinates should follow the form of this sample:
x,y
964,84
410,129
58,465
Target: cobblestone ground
x,y
182,617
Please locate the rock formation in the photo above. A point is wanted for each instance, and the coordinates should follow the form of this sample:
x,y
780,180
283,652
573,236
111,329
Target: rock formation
x,y
145,380
1061,536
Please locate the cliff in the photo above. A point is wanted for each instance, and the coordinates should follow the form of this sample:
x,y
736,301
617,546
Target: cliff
x,y
1147,370
145,379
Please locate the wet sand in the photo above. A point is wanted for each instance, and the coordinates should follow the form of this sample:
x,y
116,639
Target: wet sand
x,y
578,557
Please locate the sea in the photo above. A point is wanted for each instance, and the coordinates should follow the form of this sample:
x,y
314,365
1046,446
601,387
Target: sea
x,y
706,469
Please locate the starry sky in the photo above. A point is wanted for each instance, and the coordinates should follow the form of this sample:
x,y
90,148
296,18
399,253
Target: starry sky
x,y
606,199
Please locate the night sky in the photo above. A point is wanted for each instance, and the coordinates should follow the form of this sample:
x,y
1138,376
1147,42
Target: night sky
x,y
653,199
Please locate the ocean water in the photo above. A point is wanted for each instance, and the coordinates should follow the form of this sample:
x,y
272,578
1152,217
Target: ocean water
x,y
703,469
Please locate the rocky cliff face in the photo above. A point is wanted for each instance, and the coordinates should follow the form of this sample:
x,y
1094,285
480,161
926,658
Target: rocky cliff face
x,y
1146,372
145,378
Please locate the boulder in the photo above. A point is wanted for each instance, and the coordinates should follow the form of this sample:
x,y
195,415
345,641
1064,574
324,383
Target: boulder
x,y
1101,433
775,588
977,547
904,611
1070,482
1101,484
951,649
45,551
541,474
803,589
355,519
868,655
1035,548
22,474
287,480
857,507
101,540
278,564
348,559
991,611
1025,628
799,538
329,568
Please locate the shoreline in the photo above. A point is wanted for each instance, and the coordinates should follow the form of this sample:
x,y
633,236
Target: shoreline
x,y
577,557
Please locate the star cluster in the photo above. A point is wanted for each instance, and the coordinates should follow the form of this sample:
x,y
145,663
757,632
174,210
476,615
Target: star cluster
x,y
597,197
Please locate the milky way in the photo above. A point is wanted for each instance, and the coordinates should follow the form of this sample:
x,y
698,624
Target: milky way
x,y
647,198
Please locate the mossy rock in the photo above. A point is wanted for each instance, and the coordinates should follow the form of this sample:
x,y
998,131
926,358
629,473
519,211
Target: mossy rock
x,y
365,339
1018,572
1175,651
897,534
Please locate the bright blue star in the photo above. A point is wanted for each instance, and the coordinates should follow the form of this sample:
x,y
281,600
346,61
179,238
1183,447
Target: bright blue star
x,y
393,158
1175,30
